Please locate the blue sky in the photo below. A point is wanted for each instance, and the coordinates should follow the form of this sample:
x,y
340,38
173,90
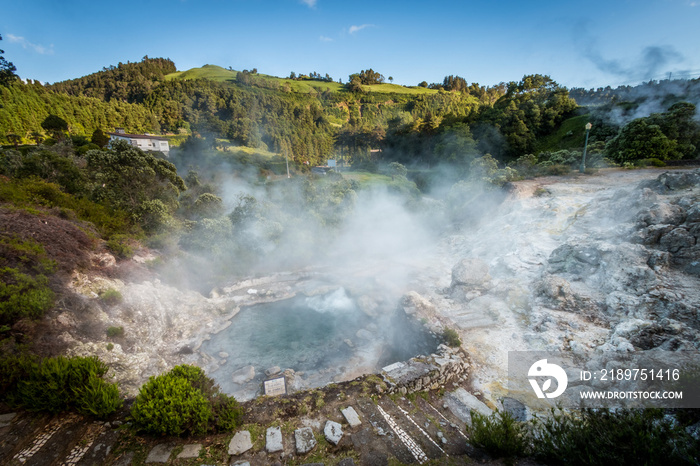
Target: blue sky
x,y
579,44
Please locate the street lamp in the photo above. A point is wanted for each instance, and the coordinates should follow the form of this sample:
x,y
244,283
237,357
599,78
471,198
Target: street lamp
x,y
585,146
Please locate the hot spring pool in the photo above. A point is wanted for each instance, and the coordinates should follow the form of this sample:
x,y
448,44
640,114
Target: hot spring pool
x,y
321,338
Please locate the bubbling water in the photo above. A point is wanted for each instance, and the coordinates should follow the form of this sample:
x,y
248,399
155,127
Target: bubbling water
x,y
321,338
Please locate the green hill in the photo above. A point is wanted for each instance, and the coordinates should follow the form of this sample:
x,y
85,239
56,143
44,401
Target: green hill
x,y
303,85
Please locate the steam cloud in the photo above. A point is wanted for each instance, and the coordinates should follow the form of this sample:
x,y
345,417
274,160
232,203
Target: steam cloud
x,y
653,60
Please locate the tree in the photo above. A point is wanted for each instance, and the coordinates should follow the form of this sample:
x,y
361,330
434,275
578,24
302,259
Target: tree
x,y
640,140
423,84
454,83
355,83
397,170
55,125
391,79
99,138
14,139
371,77
7,70
37,137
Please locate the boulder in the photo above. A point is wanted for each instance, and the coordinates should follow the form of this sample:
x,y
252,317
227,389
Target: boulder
x,y
662,213
243,375
415,304
470,272
574,259
677,239
693,214
515,408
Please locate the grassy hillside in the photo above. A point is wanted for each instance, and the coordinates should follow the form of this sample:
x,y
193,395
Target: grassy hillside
x,y
213,72
569,135
219,74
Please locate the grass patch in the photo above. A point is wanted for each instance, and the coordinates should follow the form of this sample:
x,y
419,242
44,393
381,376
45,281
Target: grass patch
x,y
111,297
571,134
451,338
115,332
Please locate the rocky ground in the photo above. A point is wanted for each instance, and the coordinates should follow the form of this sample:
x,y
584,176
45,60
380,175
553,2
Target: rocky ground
x,y
603,262
606,262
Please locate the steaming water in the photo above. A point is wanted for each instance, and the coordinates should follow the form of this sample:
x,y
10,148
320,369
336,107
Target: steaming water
x,y
322,338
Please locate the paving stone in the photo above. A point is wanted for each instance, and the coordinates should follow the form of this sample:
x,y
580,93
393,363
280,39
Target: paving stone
x,y
273,439
351,416
333,432
160,453
125,460
305,440
240,443
347,462
6,419
190,451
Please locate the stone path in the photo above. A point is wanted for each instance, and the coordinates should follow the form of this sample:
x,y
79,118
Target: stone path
x,y
412,431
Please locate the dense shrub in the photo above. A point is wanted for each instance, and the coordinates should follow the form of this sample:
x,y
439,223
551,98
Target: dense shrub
x,y
111,297
115,332
184,401
22,295
622,437
61,384
24,283
451,338
121,246
590,437
499,434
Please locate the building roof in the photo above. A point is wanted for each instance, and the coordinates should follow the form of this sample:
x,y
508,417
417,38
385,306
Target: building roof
x,y
138,136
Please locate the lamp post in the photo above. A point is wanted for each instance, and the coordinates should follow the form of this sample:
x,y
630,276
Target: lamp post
x,y
585,146
286,159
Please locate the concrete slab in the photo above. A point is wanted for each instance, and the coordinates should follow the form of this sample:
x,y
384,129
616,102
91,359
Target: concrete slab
x,y
190,451
273,440
351,416
160,453
333,432
240,443
6,419
304,439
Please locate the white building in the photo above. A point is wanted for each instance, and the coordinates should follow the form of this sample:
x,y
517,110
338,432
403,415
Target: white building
x,y
145,142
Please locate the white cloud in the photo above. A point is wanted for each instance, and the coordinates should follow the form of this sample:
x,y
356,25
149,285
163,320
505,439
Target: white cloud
x,y
309,3
325,39
353,29
28,45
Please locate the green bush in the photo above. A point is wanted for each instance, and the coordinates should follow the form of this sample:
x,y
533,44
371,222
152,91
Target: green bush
x,y
59,384
115,332
650,162
170,405
622,437
184,401
120,245
499,434
22,295
111,296
451,338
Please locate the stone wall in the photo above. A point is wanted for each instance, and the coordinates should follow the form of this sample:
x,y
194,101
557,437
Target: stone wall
x,y
427,373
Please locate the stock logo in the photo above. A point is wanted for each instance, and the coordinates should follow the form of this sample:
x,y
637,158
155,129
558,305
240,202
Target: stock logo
x,y
552,371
